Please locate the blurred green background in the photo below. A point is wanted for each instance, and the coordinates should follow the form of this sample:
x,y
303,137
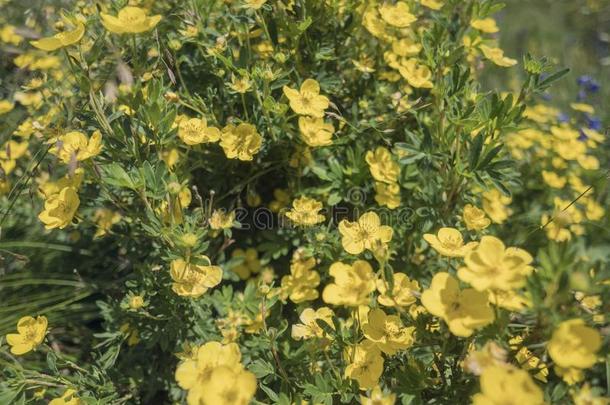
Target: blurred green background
x,y
572,33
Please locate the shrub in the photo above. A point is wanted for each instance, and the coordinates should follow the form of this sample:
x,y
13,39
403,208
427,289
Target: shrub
x,y
293,202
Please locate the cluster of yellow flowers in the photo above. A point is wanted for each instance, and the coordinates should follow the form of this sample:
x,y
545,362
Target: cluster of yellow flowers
x,y
564,155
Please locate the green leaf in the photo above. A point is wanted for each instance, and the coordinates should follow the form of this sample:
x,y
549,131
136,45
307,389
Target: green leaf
x,y
115,175
475,151
261,368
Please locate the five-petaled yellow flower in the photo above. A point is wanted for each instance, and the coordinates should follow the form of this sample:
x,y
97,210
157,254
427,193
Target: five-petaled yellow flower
x,y
315,132
309,328
214,375
493,266
366,233
130,20
496,55
574,345
194,131
504,384
403,291
366,364
352,286
75,146
305,212
30,334
61,39
382,165
387,332
59,209
487,25
241,142
300,285
193,280
464,311
475,218
449,242
397,15
307,100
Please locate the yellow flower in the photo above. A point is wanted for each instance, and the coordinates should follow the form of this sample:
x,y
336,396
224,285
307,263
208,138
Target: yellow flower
x,y
594,211
281,200
241,85
496,55
493,266
495,205
227,386
487,25
305,212
254,4
416,74
382,165
309,328
574,345
501,385
570,375
462,310
433,4
193,280
221,219
48,188
565,221
29,99
61,39
366,364
397,15
377,397
213,375
59,209
130,20
74,146
194,131
241,142
489,355
307,100
68,398
366,65
352,285
402,294
249,265
136,302
387,332
6,106
374,24
475,218
449,242
315,132
406,47
30,334
9,36
509,299
104,219
582,107
300,285
366,233
586,397
387,195
553,180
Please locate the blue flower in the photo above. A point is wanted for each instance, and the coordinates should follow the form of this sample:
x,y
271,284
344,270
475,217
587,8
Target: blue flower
x,y
594,123
583,136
